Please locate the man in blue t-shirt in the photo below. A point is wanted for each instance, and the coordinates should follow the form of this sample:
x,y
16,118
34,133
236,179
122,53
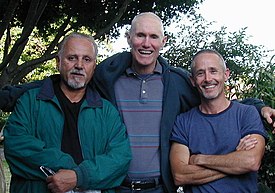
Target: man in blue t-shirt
x,y
204,140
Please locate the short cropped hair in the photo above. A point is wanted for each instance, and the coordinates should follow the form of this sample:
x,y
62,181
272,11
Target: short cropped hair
x,y
210,51
76,35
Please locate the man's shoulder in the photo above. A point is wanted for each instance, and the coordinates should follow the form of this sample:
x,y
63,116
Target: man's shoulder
x,y
243,107
193,112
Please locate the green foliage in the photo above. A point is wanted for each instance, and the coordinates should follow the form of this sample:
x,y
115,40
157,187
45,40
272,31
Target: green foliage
x,y
97,14
45,70
3,119
50,20
262,85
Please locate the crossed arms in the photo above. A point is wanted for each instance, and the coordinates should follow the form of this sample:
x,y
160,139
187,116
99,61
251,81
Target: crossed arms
x,y
200,169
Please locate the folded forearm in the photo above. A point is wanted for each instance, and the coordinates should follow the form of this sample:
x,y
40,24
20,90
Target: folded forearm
x,y
233,163
192,174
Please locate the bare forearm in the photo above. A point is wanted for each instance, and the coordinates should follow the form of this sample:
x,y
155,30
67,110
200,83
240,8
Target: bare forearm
x,y
192,174
233,163
237,162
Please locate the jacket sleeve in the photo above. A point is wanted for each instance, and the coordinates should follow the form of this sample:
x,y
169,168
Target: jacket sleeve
x,y
25,150
109,169
10,94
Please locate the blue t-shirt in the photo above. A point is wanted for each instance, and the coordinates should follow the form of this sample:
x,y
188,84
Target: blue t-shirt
x,y
218,134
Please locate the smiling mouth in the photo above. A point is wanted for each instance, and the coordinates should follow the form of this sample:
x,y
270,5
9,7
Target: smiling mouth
x,y
145,52
209,86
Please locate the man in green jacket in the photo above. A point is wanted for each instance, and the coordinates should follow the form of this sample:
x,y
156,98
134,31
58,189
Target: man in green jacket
x,y
65,126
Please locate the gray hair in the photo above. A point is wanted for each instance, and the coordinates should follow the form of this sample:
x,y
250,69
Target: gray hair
x,y
76,35
210,51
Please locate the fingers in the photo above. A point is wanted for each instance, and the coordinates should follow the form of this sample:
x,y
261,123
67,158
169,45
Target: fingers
x,y
246,143
269,114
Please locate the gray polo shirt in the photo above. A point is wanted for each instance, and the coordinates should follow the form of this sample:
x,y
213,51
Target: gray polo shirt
x,y
139,99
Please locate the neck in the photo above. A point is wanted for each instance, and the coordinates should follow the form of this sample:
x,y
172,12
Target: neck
x,y
143,69
214,106
73,95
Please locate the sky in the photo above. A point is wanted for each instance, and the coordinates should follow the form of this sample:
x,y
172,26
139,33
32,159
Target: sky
x,y
257,16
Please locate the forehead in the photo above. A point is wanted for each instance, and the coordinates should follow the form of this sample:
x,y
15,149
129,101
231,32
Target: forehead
x,y
208,60
147,24
79,46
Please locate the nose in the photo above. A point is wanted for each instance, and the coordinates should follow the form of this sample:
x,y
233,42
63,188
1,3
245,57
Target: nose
x,y
207,77
146,42
79,64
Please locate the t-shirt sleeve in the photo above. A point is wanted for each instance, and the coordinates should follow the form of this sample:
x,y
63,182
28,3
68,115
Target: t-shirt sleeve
x,y
252,123
179,131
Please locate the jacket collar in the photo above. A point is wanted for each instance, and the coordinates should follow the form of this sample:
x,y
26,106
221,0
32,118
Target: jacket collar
x,y
47,92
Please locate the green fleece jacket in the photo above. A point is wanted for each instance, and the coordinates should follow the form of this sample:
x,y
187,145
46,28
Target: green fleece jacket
x,y
33,138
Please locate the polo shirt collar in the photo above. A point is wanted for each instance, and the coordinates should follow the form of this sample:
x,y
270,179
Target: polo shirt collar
x,y
157,70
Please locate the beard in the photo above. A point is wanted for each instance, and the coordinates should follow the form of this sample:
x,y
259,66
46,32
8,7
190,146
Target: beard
x,y
75,83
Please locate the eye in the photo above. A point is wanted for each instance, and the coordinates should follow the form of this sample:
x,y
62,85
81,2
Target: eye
x,y
87,59
199,74
140,35
154,36
214,71
72,58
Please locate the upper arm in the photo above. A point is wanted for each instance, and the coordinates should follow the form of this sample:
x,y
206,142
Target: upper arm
x,y
179,155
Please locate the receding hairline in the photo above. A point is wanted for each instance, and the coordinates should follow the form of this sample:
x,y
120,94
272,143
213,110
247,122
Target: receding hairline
x,y
145,14
207,51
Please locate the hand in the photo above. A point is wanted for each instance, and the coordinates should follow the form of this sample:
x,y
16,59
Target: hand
x,y
246,143
62,181
269,114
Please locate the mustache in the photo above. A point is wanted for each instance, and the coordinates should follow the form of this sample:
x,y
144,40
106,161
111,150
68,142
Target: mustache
x,y
209,83
77,71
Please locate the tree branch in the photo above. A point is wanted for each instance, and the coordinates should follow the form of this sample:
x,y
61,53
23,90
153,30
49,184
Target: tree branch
x,y
7,42
120,12
36,7
8,16
27,67
60,33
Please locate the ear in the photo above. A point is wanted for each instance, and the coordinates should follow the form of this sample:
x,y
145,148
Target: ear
x,y
226,74
127,35
57,60
165,38
192,80
94,65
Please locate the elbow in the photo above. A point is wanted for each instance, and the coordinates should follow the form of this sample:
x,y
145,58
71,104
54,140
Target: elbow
x,y
254,164
179,179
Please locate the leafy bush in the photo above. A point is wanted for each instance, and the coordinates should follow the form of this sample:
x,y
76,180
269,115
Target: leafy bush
x,y
262,86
